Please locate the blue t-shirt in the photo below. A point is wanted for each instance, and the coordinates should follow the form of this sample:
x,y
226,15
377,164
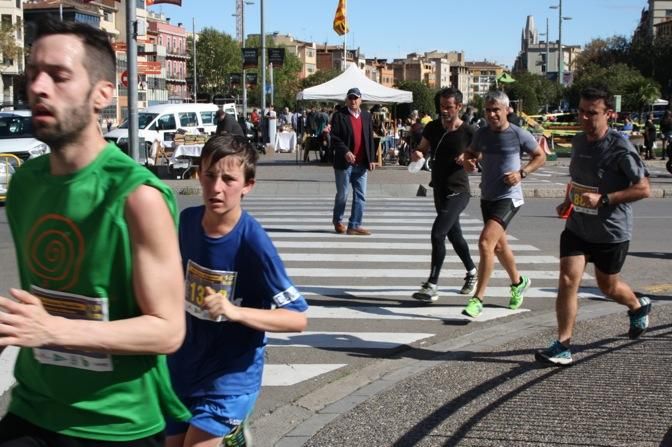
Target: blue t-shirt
x,y
501,155
224,358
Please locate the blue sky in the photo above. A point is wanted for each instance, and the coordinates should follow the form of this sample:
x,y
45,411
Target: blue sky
x,y
483,29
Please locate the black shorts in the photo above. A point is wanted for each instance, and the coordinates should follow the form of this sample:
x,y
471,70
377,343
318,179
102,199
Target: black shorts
x,y
501,211
608,258
17,432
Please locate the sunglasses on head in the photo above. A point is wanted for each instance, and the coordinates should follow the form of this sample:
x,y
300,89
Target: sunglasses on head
x,y
353,97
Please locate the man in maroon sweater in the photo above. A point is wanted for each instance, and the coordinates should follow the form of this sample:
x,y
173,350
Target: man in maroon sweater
x,y
351,132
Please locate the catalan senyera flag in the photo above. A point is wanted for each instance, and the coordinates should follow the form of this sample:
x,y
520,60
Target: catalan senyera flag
x,y
171,2
340,21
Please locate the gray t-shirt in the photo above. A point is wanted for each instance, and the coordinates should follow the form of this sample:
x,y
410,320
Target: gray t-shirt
x,y
501,155
604,166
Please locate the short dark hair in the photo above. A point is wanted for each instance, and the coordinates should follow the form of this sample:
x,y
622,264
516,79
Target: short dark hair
x,y
594,93
100,61
221,146
448,92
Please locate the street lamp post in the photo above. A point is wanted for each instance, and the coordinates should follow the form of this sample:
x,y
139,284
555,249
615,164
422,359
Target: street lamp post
x,y
561,55
546,60
241,22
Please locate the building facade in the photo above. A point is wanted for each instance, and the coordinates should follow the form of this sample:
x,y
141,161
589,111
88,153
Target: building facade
x,y
541,57
11,14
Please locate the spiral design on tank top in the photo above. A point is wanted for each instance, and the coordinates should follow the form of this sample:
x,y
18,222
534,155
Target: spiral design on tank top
x,y
55,249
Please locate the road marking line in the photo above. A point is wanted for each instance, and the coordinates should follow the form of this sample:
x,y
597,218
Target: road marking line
x,y
387,258
286,375
309,272
345,340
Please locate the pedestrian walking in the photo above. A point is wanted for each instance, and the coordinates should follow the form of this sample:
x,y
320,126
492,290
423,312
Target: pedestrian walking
x,y
351,133
99,263
236,289
607,174
650,133
447,137
497,147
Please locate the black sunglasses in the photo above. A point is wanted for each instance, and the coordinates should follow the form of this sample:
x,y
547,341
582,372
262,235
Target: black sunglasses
x,y
353,97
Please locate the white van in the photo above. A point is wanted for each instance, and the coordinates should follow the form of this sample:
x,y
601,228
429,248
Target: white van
x,y
162,121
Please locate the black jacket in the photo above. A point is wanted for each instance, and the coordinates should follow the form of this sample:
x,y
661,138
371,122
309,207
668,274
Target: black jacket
x,y
342,140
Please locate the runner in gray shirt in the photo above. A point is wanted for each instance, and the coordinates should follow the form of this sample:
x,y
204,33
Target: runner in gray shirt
x,y
498,147
606,175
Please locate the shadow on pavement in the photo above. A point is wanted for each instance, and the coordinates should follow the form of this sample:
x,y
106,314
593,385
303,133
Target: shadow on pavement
x,y
420,431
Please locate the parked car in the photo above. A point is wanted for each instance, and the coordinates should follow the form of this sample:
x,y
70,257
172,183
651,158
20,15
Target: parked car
x,y
160,122
16,135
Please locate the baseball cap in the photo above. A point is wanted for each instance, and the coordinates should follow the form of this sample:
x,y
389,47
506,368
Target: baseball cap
x,y
355,92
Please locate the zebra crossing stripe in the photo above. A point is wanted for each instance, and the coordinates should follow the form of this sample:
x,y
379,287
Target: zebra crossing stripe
x,y
286,375
447,292
388,258
263,213
345,340
397,228
361,243
7,360
367,220
424,312
311,272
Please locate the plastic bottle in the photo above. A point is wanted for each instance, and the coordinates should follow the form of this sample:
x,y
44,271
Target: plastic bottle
x,y
415,166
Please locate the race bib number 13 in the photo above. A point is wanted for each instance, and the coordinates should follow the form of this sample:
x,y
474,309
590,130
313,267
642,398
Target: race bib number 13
x,y
580,204
197,279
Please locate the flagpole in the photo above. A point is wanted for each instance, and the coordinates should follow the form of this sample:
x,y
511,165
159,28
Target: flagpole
x,y
345,52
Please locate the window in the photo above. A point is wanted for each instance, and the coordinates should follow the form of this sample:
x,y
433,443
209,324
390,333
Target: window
x,y
208,118
668,13
188,119
166,122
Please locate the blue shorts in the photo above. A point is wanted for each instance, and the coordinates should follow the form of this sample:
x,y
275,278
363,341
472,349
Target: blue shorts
x,y
217,415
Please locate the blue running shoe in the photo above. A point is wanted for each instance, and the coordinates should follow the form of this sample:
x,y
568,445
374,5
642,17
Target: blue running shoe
x,y
557,354
639,319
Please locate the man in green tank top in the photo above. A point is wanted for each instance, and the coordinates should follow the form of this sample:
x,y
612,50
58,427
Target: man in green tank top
x,y
101,280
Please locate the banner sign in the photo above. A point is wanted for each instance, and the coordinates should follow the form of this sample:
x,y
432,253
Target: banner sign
x,y
251,79
276,56
169,2
235,78
250,57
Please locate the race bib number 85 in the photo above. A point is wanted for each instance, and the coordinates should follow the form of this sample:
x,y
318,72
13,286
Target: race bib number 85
x,y
580,204
197,279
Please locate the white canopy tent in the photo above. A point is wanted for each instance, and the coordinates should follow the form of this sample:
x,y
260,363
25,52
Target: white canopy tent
x,y
337,88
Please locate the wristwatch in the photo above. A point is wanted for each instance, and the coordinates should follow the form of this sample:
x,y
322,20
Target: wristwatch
x,y
522,173
604,200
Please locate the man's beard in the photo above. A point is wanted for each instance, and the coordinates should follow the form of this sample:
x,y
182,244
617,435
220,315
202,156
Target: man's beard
x,y
68,127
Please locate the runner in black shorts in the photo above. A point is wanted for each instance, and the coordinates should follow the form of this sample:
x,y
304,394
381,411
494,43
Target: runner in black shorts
x,y
606,175
501,211
498,147
608,258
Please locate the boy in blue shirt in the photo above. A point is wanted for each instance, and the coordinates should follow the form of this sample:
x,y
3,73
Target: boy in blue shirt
x,y
236,288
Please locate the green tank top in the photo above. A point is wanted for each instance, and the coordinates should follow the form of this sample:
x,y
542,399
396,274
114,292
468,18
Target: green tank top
x,y
74,251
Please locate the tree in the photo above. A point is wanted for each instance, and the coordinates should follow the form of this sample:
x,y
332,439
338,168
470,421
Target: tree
x,y
9,46
319,77
423,98
217,55
603,52
286,82
637,91
535,91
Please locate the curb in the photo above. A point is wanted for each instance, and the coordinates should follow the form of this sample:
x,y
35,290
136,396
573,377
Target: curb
x,y
280,189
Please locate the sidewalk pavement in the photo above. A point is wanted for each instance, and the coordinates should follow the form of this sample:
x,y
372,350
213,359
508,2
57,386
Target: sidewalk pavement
x,y
485,389
282,175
